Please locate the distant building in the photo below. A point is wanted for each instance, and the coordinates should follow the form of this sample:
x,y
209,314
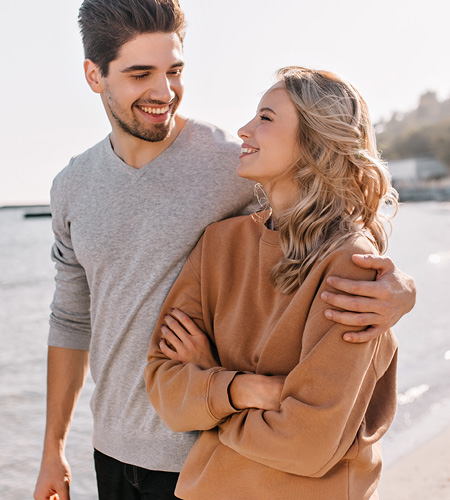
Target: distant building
x,y
418,179
413,171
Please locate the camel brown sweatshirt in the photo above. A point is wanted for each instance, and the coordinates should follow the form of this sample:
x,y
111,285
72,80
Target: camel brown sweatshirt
x,y
338,398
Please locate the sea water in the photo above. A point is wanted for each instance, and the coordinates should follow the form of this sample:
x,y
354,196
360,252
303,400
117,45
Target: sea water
x,y
420,245
26,288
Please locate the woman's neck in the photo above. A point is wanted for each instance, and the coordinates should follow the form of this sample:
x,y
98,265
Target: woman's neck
x,y
281,200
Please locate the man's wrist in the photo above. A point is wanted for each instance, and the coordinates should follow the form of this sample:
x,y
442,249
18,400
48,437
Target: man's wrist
x,y
54,447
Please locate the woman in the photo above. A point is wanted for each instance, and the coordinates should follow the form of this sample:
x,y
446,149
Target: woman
x,y
288,409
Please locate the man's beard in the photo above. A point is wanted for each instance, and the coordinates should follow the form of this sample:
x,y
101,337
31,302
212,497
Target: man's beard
x,y
157,131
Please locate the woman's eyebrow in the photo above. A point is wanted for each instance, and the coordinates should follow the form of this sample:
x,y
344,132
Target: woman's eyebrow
x,y
265,109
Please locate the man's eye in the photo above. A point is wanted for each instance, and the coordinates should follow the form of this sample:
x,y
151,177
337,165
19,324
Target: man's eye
x,y
140,77
176,72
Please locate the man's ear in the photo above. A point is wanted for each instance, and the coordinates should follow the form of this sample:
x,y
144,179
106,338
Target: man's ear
x,y
93,76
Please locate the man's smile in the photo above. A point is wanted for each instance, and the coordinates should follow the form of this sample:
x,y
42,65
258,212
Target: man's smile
x,y
155,110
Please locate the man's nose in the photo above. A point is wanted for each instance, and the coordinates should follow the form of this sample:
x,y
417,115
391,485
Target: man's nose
x,y
161,90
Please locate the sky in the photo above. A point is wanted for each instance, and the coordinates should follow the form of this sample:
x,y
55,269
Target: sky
x,y
392,50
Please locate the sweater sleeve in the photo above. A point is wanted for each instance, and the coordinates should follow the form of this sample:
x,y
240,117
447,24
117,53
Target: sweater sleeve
x,y
325,397
70,309
185,396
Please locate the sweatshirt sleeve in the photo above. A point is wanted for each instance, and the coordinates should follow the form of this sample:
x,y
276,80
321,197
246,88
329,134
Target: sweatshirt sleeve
x,y
70,309
185,396
325,397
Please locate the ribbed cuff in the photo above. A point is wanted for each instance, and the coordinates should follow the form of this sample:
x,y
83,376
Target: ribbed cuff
x,y
218,395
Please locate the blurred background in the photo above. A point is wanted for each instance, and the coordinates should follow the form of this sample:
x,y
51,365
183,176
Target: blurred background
x,y
394,51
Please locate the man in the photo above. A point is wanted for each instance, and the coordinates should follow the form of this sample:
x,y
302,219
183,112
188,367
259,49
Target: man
x,y
126,214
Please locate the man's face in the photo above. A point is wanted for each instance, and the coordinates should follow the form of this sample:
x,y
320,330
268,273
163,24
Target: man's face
x,y
144,86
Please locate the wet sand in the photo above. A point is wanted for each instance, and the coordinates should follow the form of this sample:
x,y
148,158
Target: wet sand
x,y
424,473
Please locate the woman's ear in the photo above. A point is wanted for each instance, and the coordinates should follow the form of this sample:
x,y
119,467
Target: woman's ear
x,y
93,76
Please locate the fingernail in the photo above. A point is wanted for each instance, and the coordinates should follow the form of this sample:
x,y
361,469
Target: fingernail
x,y
172,310
324,296
348,338
328,314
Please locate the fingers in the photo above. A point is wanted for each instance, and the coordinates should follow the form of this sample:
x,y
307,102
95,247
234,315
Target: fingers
x,y
350,302
364,336
375,305
176,341
62,495
182,340
378,304
168,351
371,289
383,264
378,289
374,324
370,320
172,340
175,326
352,319
185,320
53,481
178,328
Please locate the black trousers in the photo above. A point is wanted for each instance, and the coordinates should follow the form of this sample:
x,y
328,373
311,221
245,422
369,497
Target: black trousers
x,y
119,481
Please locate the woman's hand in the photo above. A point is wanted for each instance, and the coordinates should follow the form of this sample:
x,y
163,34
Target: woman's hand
x,y
182,340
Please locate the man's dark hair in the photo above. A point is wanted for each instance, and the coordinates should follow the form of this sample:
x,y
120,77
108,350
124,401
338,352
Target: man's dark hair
x,y
106,25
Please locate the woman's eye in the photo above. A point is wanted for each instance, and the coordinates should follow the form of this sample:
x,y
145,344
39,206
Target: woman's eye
x,y
264,117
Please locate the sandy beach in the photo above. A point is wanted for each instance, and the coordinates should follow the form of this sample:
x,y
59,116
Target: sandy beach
x,y
424,473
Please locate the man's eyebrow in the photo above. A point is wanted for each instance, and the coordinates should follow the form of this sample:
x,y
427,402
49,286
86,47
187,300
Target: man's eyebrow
x,y
145,67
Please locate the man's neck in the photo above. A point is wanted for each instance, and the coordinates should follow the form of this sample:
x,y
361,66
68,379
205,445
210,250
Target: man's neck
x,y
136,152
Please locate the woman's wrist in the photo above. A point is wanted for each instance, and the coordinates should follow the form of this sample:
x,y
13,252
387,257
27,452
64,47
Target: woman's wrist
x,y
250,390
238,392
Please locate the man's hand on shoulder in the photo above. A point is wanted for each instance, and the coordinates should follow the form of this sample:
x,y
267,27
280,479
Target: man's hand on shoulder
x,y
376,305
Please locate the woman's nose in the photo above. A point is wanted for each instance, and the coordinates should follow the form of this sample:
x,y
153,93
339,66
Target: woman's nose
x,y
244,132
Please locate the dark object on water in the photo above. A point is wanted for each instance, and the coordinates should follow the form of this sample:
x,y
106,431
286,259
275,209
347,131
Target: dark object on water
x,y
37,214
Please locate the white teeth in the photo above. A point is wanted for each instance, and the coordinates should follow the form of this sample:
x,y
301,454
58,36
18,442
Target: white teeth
x,y
155,111
248,150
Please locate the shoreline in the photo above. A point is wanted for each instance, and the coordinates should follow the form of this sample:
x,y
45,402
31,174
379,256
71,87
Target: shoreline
x,y
422,473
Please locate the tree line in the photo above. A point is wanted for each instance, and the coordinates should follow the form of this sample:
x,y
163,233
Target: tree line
x,y
422,132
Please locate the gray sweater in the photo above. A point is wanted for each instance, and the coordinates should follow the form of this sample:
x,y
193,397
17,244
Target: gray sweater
x,y
121,238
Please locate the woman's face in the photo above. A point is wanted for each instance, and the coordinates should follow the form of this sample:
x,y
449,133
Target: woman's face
x,y
270,140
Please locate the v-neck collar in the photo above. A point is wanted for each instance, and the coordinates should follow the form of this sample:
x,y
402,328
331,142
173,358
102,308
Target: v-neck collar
x,y
139,172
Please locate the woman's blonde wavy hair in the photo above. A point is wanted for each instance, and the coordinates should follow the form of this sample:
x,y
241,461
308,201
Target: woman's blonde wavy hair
x,y
341,179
